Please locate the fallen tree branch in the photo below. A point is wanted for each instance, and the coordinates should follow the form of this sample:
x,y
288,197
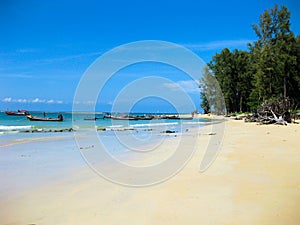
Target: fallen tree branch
x,y
273,112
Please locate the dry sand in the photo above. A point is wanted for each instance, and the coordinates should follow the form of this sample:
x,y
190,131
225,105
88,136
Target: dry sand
x,y
254,180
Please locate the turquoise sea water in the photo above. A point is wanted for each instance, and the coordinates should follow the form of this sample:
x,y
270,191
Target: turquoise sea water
x,y
117,135
30,159
9,124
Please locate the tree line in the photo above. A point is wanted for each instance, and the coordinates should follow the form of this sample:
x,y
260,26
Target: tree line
x,y
269,70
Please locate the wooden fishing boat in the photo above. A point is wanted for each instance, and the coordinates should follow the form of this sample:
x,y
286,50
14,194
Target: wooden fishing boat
x,y
18,113
144,117
123,118
36,118
107,116
175,117
91,118
185,118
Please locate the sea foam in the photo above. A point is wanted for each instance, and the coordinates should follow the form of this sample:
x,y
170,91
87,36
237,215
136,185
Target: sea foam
x,y
14,128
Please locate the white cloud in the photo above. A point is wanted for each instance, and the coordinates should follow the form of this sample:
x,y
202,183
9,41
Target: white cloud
x,y
189,86
27,50
16,75
69,57
21,100
216,45
35,100
7,100
88,102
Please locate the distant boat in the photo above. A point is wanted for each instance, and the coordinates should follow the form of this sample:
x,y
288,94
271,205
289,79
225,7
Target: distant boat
x,y
185,118
144,117
123,118
36,118
91,118
18,113
107,116
175,117
132,117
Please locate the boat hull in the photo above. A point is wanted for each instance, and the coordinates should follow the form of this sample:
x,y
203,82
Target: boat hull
x,y
35,118
21,113
123,118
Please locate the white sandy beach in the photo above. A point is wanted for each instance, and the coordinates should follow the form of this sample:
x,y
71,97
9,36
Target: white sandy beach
x,y
254,180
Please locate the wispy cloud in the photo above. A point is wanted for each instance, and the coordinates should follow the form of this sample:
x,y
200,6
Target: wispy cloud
x,y
34,100
7,100
16,75
17,52
216,45
68,57
37,100
189,86
14,59
87,102
27,50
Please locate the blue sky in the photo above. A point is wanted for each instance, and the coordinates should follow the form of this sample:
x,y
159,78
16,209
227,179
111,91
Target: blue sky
x,y
46,46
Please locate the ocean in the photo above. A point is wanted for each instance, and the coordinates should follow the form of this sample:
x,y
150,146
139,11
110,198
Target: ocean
x,y
120,137
77,121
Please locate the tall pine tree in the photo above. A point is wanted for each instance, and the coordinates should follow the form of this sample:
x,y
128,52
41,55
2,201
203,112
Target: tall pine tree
x,y
270,70
274,56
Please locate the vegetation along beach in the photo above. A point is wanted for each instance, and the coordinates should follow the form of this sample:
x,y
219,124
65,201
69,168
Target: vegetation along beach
x,y
135,113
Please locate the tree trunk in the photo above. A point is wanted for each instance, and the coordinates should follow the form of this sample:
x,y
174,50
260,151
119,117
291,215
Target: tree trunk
x,y
284,86
241,104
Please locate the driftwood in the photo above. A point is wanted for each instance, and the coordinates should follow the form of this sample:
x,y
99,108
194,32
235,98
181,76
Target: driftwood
x,y
273,112
296,116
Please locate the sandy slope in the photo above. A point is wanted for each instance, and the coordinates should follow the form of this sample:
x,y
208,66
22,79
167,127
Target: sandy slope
x,y
254,180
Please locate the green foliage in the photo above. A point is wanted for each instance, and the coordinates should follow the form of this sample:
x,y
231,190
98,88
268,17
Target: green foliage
x,y
271,68
211,94
204,103
233,74
275,57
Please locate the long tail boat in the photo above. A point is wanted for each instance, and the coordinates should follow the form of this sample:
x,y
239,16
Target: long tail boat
x,y
36,118
175,117
18,113
123,118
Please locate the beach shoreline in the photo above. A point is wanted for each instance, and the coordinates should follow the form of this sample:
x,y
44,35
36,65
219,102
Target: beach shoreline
x,y
253,180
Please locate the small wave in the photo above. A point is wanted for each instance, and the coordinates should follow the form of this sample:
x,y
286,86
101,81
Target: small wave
x,y
115,126
195,123
14,128
153,124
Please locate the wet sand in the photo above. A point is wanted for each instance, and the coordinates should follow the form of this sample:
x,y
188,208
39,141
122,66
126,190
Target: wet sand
x,y
254,180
